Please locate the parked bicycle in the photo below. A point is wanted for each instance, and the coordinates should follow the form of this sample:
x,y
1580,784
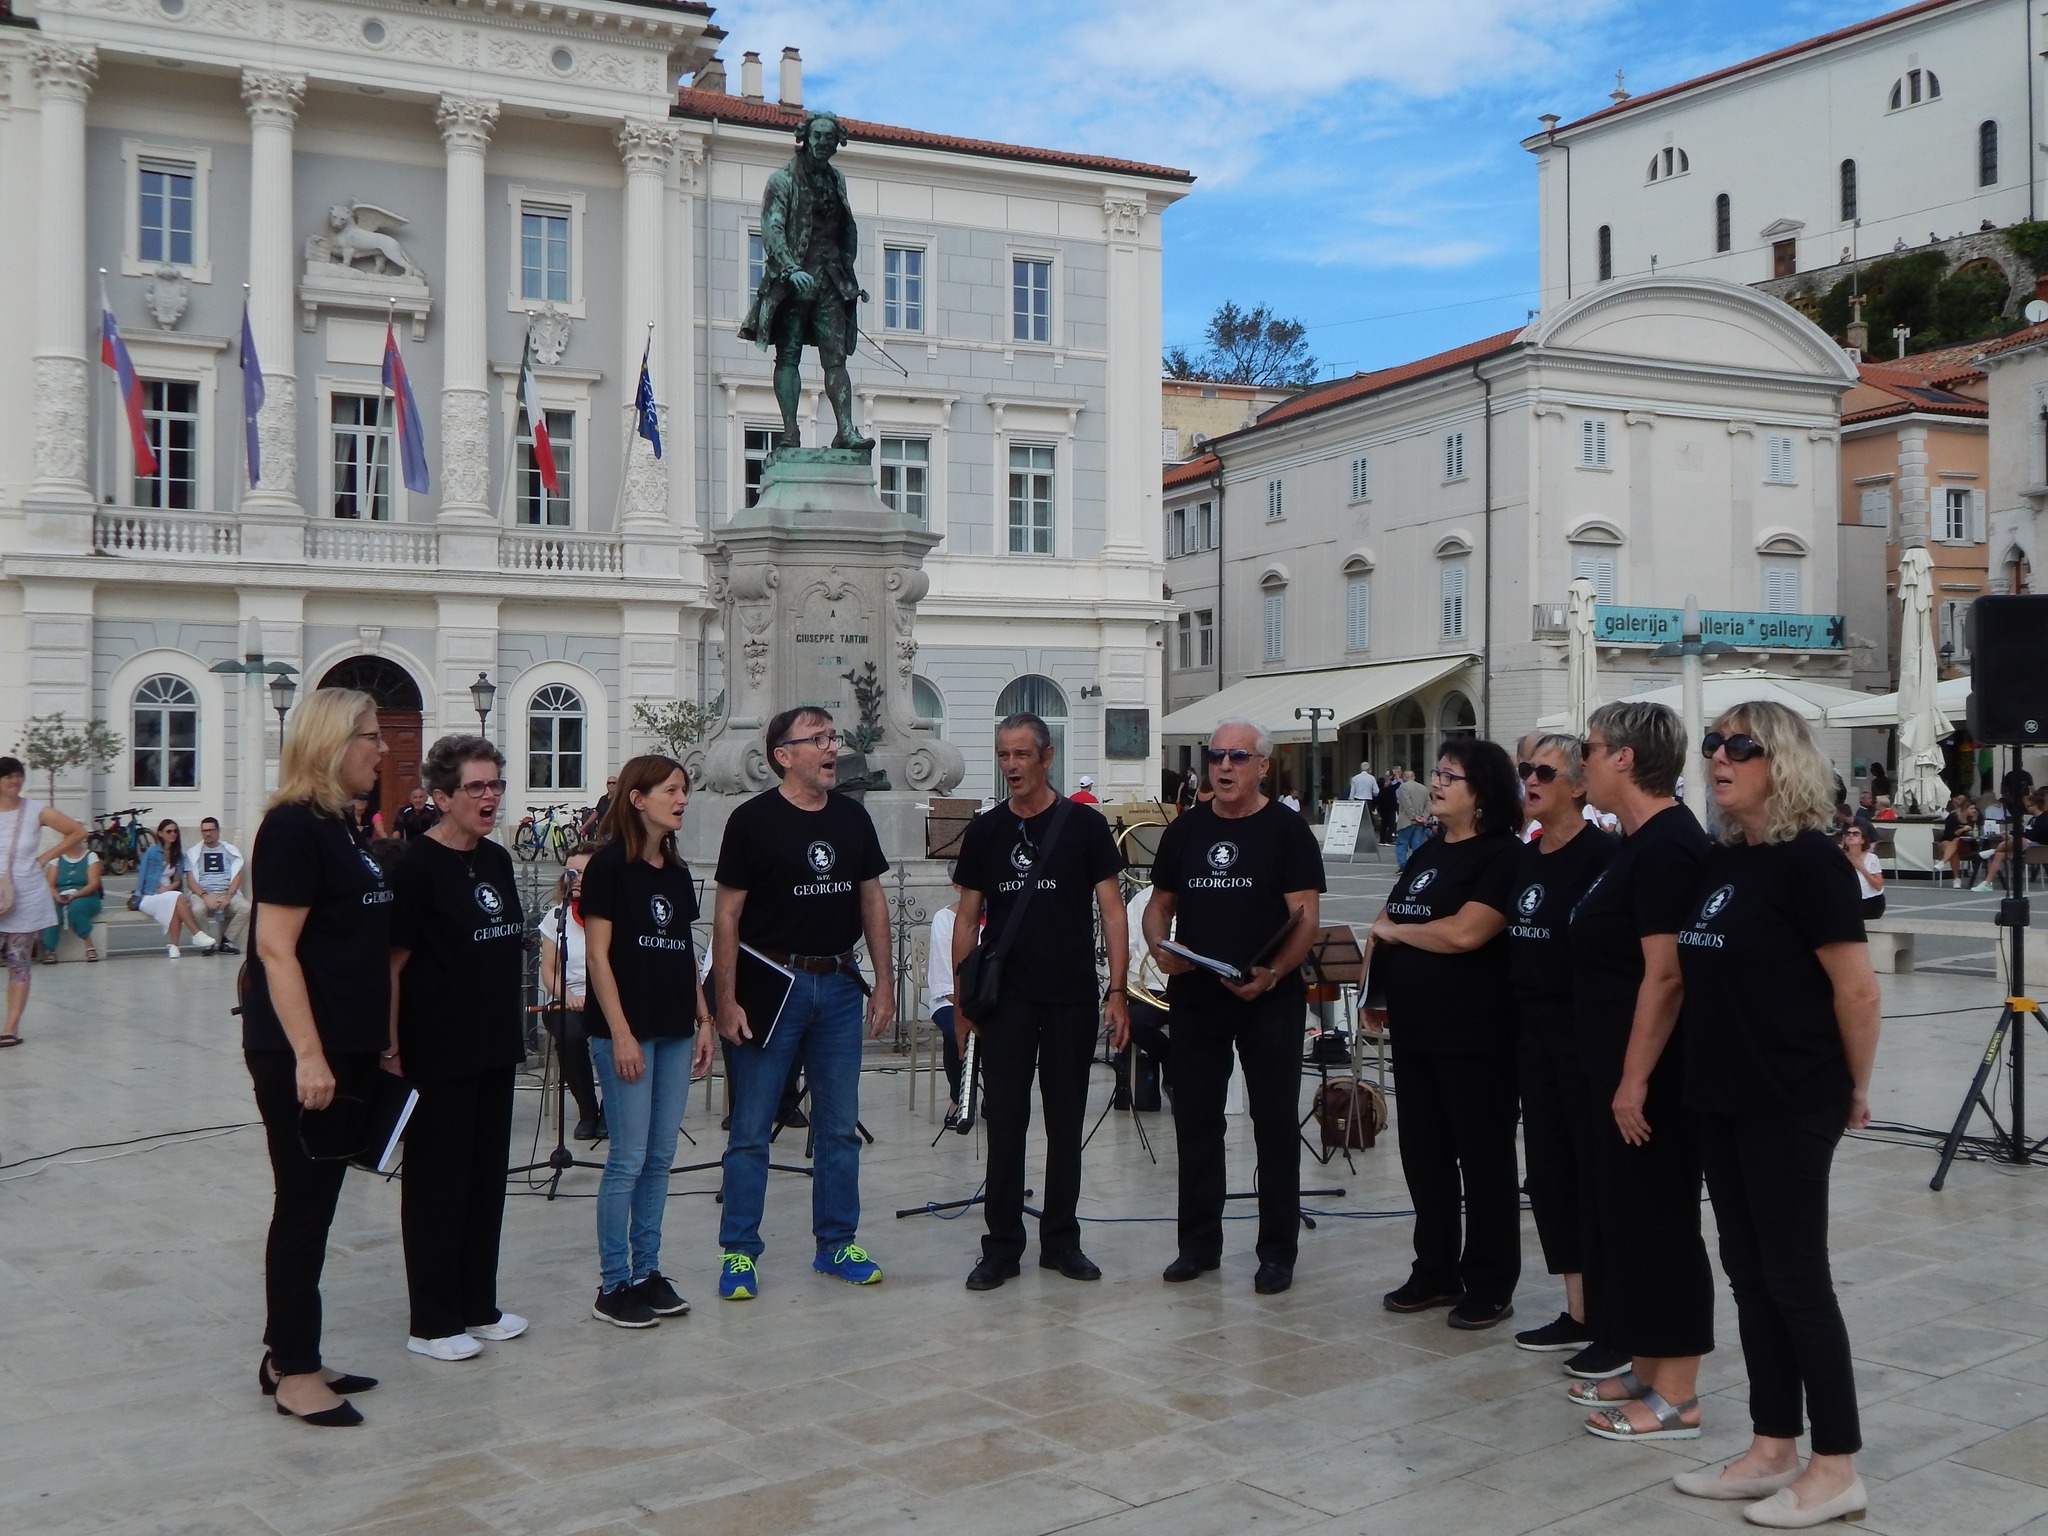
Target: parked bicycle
x,y
120,844
548,828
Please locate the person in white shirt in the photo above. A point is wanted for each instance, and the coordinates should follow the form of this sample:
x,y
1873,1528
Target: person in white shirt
x,y
1363,785
213,888
938,1000
571,1040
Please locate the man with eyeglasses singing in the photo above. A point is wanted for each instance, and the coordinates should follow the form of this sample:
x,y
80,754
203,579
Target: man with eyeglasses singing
x,y
1225,880
800,884
1062,853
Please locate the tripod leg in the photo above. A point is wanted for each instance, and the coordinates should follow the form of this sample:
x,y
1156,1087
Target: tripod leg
x,y
1973,1098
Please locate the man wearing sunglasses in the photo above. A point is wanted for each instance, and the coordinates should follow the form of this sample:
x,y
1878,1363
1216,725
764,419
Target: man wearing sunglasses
x,y
1050,1003
1225,880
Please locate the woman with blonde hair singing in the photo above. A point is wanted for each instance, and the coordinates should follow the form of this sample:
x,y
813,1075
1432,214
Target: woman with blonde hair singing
x,y
316,1003
1781,1021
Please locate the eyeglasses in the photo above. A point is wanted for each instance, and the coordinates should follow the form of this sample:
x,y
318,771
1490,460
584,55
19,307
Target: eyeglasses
x,y
1740,749
1542,773
824,741
1589,746
1445,776
369,736
476,789
1235,756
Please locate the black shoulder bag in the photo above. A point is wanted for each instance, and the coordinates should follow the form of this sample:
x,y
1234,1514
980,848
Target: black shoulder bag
x,y
978,984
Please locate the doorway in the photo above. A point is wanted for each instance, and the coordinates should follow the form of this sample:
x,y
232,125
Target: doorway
x,y
398,717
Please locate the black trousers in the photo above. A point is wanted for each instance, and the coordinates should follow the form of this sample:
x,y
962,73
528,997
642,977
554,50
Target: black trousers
x,y
1658,1285
1768,1176
303,1208
1454,1117
572,1044
1267,1035
1057,1044
454,1201
1550,1151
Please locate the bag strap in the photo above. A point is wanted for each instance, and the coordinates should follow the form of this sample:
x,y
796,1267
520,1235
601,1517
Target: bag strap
x,y
1052,836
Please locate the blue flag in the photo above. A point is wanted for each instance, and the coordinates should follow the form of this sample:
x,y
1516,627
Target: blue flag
x,y
252,398
649,425
412,447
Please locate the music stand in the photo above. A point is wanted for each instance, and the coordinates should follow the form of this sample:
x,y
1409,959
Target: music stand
x,y
561,1159
1334,961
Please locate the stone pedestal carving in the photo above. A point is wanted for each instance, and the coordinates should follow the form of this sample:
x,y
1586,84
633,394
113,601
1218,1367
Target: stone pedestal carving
x,y
818,585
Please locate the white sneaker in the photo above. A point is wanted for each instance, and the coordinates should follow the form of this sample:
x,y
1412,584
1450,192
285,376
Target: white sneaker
x,y
204,939
171,951
1983,890
458,1346
508,1326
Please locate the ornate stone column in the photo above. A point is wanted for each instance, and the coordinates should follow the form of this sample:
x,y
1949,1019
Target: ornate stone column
x,y
646,146
466,124
272,98
64,75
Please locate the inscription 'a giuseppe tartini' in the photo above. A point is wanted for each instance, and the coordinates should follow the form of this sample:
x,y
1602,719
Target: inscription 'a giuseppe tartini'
x,y
831,639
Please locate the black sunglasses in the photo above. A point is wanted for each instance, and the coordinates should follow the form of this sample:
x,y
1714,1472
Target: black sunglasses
x,y
1237,755
1740,749
1542,773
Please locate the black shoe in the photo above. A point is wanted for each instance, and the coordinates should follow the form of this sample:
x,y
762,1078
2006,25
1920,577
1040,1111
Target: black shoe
x,y
1474,1315
660,1296
591,1129
345,1416
990,1273
1074,1264
1597,1362
343,1386
224,948
1272,1279
1416,1297
1555,1338
623,1308
1186,1268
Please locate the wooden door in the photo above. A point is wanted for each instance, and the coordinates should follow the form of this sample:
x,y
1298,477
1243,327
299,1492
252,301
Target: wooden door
x,y
400,770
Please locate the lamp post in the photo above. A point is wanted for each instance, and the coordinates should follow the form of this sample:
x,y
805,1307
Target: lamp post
x,y
251,669
481,694
1690,649
282,688
1315,717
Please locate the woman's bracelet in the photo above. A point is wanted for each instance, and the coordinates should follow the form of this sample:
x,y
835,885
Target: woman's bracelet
x,y
1114,990
705,1018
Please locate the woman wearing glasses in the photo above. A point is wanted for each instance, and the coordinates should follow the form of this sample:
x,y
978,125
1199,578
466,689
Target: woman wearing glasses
x,y
1655,1285
1781,1023
1557,1114
1440,947
316,1010
458,942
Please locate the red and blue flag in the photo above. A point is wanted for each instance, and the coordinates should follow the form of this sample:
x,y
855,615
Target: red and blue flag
x,y
412,447
114,353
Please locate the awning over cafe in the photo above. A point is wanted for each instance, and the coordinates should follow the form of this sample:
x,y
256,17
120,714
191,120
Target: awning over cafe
x,y
1271,699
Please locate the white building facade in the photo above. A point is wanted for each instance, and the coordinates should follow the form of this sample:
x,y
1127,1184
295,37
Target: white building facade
x,y
480,178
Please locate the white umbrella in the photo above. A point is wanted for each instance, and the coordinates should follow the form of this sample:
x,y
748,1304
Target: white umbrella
x,y
1582,661
1880,711
1806,697
1920,720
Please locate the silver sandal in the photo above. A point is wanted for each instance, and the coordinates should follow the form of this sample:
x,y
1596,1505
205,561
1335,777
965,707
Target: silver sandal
x,y
1669,1425
1587,1393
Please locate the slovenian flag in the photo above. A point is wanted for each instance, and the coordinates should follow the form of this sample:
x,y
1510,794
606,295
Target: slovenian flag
x,y
252,399
114,353
537,420
649,418
412,447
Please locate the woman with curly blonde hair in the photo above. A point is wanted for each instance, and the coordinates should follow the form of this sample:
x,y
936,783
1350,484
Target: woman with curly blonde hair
x,y
1780,1024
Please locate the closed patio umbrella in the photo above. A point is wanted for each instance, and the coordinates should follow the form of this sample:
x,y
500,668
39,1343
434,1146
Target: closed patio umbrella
x,y
1921,723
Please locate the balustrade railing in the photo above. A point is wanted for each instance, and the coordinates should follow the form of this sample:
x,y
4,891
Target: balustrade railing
x,y
351,543
165,535
565,553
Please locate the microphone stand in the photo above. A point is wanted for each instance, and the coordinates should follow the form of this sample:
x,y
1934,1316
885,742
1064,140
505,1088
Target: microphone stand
x,y
561,1159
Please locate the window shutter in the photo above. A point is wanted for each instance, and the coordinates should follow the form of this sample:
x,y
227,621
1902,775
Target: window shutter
x,y
1276,625
1874,508
1599,570
1781,587
1361,478
1778,459
1452,586
1276,502
1592,442
1978,532
1358,613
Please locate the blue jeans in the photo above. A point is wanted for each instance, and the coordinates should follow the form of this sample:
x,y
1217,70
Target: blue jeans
x,y
1406,841
642,1119
822,1021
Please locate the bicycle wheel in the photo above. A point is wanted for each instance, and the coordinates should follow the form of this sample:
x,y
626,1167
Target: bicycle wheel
x,y
558,843
524,844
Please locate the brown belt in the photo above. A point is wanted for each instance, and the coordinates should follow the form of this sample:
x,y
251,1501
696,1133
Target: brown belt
x,y
812,965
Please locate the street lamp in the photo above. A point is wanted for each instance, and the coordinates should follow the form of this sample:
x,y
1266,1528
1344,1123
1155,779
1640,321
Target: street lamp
x,y
1691,649
481,693
1315,718
282,688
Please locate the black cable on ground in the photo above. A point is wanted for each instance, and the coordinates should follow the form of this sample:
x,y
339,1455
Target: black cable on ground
x,y
101,1146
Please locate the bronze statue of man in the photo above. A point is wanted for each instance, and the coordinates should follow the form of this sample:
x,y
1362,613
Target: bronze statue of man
x,y
808,293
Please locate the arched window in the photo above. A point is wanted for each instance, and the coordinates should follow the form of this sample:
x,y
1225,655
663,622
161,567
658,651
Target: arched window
x,y
1987,154
928,703
1724,231
1669,162
1273,619
1914,87
1454,718
1040,696
554,739
165,750
1357,604
1848,190
1606,253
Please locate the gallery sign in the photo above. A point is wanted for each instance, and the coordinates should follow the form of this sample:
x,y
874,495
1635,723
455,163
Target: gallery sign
x,y
1744,631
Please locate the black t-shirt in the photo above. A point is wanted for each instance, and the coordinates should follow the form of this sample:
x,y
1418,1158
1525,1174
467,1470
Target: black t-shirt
x,y
417,823
459,1002
1051,961
1760,1030
1547,887
306,860
1451,1003
1647,888
652,953
1230,877
801,871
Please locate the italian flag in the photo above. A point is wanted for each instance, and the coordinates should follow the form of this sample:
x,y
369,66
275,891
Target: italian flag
x,y
537,422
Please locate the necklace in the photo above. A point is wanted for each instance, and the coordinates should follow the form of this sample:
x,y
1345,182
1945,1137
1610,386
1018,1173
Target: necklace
x,y
467,855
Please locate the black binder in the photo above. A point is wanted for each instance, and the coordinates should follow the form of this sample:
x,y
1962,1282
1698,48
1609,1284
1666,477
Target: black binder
x,y
761,988
363,1131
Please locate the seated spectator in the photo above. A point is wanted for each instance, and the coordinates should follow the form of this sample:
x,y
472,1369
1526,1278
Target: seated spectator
x,y
1958,838
75,887
213,888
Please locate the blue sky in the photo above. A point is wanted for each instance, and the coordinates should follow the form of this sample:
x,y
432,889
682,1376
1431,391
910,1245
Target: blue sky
x,y
1359,161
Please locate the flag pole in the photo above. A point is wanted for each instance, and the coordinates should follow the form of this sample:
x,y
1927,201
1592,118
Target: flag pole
x,y
244,480
512,420
99,426
383,393
632,421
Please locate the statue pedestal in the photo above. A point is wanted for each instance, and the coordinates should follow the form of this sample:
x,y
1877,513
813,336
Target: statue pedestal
x,y
818,585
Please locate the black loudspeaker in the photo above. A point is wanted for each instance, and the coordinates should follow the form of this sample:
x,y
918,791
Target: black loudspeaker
x,y
2009,670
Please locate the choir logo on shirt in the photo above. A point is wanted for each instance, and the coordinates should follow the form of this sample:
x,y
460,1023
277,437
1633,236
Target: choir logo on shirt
x,y
821,856
1220,858
1022,855
1715,904
488,901
662,910
377,895
1422,882
492,906
1529,901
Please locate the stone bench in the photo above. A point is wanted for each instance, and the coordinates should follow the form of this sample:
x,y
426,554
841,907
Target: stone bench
x,y
1891,938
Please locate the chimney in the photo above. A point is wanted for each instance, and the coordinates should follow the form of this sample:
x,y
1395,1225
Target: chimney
x,y
750,75
1549,122
792,92
710,76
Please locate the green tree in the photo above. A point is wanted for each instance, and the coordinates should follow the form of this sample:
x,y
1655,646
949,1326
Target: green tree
x,y
676,724
1247,346
49,746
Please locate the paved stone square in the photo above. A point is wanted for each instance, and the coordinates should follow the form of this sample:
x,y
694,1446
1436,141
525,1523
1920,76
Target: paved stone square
x,y
129,1335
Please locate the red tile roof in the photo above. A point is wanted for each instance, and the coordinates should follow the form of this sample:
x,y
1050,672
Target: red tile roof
x,y
1190,472
1792,51
1359,385
717,106
2024,337
1942,365
1892,389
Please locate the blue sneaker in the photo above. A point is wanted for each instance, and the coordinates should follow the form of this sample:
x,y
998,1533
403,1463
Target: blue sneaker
x,y
737,1278
849,1262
